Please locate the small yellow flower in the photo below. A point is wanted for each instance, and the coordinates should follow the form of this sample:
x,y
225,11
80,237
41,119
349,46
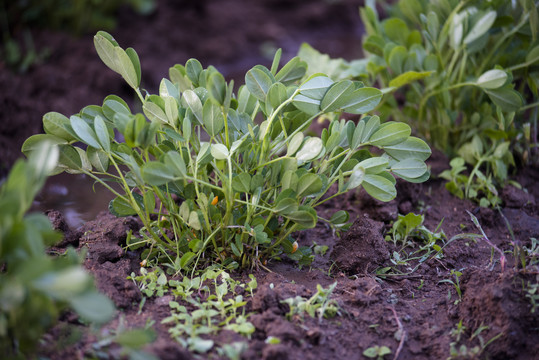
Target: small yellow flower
x,y
143,263
215,200
295,247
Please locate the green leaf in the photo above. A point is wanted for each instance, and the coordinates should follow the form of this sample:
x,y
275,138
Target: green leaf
x,y
533,56
379,187
293,71
363,100
289,180
276,95
294,144
212,118
396,29
286,206
84,131
175,162
311,149
481,27
194,103
133,56
316,86
171,110
194,220
506,98
154,113
125,67
357,135
93,307
306,104
340,217
408,78
69,158
217,87
54,124
370,127
305,216
258,83
241,183
410,148
106,51
492,79
356,178
34,142
409,168
373,165
102,133
396,59
186,259
219,151
309,184
390,134
156,173
98,158
193,68
338,95
119,207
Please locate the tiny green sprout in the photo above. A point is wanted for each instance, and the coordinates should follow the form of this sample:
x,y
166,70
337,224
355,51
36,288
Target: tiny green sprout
x,y
456,284
272,340
377,352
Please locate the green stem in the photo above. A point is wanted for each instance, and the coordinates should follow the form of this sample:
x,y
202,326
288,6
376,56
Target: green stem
x,y
267,131
529,106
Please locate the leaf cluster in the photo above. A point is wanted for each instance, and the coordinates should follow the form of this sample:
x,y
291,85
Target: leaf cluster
x,y
463,71
34,287
219,306
215,175
320,305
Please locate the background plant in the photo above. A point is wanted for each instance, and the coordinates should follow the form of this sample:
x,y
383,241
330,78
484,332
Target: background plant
x,y
72,16
464,74
243,186
34,287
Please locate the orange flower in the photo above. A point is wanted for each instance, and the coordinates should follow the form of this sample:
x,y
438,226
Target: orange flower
x,y
215,200
295,247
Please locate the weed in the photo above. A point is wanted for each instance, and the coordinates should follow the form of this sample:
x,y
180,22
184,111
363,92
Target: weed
x,y
243,187
377,352
214,305
456,284
465,352
319,305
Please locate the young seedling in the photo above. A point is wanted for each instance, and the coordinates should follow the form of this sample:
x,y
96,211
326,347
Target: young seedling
x,y
486,239
209,183
319,305
377,352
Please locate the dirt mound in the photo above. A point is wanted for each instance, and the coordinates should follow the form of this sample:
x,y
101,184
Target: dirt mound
x,y
497,300
362,249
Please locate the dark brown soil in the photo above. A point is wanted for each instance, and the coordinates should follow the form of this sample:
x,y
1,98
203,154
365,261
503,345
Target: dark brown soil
x,y
412,314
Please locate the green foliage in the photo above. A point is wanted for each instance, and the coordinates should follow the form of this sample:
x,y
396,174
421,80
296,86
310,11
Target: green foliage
x,y
243,187
475,186
466,74
218,307
414,242
34,287
319,305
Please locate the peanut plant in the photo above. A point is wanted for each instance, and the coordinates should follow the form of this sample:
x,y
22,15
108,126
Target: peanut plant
x,y
221,177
